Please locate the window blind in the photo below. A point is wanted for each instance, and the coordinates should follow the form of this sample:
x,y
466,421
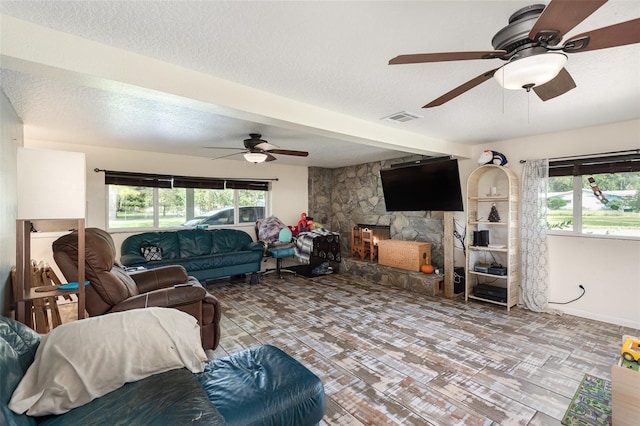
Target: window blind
x,y
594,165
168,181
137,179
197,182
248,184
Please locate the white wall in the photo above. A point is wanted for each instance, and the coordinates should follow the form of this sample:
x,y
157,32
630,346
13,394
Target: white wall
x,y
11,135
289,196
609,269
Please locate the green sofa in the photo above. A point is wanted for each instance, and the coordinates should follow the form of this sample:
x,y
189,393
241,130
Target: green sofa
x,y
205,254
257,386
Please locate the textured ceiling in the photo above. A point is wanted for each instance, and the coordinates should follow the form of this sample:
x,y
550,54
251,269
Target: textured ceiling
x,y
332,55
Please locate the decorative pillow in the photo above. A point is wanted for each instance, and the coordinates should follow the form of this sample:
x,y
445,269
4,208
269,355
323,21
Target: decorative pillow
x,y
151,252
285,235
83,360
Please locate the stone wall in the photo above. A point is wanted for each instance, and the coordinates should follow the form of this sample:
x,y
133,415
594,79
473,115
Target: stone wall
x,y
343,197
320,183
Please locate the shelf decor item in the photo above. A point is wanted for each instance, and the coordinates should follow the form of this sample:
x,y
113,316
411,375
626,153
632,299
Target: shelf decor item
x,y
493,214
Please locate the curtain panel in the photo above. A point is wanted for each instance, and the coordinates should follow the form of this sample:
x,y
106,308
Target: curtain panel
x,y
534,280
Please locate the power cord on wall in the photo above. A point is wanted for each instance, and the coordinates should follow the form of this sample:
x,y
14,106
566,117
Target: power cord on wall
x,y
460,237
573,300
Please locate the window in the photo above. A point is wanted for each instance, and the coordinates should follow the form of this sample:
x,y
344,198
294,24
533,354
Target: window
x,y
140,201
130,207
595,195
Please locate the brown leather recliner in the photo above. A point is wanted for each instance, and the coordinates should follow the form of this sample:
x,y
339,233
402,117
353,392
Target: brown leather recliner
x,y
111,289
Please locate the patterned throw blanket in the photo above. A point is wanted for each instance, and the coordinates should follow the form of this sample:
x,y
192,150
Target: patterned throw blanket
x,y
304,243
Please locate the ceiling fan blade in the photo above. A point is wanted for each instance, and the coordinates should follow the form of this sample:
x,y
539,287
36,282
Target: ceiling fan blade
x,y
461,89
614,35
289,152
560,85
270,157
265,146
223,147
445,56
229,155
560,17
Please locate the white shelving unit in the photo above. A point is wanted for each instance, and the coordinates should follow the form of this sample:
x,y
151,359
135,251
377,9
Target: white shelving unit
x,y
504,246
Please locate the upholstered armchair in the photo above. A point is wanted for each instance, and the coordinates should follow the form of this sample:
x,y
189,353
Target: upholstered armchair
x,y
112,289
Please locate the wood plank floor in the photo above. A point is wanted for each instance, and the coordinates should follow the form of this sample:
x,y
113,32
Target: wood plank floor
x,y
387,356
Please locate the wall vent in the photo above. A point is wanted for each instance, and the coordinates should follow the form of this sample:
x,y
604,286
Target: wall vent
x,y
401,117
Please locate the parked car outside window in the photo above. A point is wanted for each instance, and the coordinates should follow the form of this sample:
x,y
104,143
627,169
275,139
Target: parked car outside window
x,y
224,216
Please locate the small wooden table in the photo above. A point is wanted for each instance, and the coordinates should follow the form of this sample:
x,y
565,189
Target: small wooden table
x,y
25,294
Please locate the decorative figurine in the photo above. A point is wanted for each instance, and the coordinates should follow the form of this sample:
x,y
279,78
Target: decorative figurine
x,y
492,157
493,214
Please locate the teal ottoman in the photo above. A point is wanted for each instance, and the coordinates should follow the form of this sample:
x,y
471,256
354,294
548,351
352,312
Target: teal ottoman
x,y
263,386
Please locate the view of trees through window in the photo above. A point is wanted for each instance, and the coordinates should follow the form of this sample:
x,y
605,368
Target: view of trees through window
x,y
145,207
130,206
610,205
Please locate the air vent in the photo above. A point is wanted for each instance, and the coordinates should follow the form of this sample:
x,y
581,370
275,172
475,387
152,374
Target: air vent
x,y
401,117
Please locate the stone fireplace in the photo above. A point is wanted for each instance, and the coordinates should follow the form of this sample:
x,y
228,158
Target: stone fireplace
x,y
344,197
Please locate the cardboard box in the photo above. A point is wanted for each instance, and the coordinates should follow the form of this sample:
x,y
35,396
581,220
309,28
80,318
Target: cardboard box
x,y
410,255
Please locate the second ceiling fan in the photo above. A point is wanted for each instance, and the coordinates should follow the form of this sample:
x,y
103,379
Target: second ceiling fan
x,y
531,46
257,150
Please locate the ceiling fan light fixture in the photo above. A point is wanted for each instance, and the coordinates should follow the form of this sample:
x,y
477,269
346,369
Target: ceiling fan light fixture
x,y
255,157
530,71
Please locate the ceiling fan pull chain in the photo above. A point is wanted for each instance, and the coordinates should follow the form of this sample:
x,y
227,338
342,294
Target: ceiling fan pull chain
x,y
528,106
501,70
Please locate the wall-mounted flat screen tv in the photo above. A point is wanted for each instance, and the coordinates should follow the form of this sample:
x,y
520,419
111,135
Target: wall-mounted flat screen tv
x,y
433,185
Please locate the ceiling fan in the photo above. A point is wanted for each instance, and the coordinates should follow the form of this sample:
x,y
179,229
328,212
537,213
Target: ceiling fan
x,y
258,150
531,46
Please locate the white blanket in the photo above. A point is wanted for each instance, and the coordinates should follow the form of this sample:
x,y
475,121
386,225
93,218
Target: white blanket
x,y
83,360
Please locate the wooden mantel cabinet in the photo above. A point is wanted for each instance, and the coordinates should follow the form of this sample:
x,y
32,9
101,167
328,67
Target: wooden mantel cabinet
x,y
25,293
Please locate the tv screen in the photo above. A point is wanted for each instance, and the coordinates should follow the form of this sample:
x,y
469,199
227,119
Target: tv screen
x,y
430,186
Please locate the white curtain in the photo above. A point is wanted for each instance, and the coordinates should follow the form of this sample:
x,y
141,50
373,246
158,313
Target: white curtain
x,y
534,279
